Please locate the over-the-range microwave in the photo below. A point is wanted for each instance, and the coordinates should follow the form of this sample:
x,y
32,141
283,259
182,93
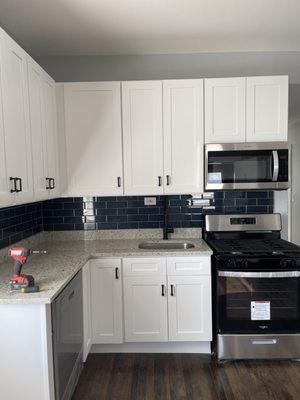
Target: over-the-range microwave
x,y
247,166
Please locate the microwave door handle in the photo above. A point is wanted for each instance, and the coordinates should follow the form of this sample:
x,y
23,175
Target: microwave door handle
x,y
275,165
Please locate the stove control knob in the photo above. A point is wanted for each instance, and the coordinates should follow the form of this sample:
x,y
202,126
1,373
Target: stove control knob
x,y
288,263
231,263
241,263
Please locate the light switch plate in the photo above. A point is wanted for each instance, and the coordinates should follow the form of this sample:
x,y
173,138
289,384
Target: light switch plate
x,y
150,201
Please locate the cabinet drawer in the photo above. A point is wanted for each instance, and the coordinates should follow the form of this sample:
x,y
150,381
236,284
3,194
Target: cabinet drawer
x,y
144,266
188,265
106,262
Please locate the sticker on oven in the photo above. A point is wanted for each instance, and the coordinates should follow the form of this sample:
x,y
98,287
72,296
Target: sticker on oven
x,y
260,310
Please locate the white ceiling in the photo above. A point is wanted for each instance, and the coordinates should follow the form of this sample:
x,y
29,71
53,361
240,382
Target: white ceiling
x,y
98,27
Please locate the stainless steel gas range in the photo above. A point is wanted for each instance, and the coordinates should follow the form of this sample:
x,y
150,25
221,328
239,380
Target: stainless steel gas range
x,y
256,286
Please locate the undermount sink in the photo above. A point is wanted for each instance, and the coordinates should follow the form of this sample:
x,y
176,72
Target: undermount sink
x,y
166,245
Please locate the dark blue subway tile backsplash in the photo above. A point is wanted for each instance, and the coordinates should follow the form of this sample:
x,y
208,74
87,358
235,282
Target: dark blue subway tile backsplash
x,y
20,222
91,213
131,213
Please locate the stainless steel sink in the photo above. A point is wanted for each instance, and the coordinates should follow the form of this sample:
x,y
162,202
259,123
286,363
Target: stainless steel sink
x,y
166,245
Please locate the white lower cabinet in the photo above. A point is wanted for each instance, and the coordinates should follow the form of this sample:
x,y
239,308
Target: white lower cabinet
x,y
178,311
164,299
189,308
106,301
87,322
145,305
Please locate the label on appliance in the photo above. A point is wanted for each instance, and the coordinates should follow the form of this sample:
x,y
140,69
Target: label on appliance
x,y
260,310
215,177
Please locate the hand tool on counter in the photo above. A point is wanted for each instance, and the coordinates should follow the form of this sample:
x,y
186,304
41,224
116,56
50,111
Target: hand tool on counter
x,y
21,282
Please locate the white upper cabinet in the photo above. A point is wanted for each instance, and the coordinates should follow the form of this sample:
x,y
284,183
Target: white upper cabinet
x,y
225,120
251,109
43,126
38,137
50,118
93,139
142,137
16,120
267,109
183,136
5,195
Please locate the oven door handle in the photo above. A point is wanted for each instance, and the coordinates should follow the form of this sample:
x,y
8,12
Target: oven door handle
x,y
263,341
244,274
275,165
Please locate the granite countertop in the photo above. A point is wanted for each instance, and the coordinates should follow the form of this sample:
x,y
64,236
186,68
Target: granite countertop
x,y
64,259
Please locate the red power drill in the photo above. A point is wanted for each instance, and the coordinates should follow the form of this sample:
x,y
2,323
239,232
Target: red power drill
x,y
18,281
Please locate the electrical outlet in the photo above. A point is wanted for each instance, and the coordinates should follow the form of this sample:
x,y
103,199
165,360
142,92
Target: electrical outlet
x,y
150,201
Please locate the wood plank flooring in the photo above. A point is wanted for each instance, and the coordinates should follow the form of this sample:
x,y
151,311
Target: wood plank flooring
x,y
185,377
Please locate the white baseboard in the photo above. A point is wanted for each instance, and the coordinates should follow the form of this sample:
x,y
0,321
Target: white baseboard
x,y
168,347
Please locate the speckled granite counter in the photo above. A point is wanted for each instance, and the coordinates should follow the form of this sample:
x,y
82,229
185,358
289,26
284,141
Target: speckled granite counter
x,y
65,258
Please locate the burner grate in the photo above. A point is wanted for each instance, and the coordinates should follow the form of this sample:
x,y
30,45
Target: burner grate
x,y
277,246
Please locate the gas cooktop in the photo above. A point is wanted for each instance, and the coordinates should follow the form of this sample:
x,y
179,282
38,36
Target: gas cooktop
x,y
253,246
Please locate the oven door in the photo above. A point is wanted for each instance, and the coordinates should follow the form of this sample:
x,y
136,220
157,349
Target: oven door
x,y
258,302
247,166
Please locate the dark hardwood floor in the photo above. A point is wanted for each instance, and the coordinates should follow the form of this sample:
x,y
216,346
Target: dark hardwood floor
x,y
185,377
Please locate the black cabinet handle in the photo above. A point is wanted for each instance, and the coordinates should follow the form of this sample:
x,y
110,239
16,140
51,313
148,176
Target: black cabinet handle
x,y
117,273
163,290
168,180
159,181
119,181
14,190
48,186
172,290
19,180
52,183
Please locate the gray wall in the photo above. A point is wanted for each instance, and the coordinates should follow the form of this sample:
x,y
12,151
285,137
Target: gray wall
x,y
176,66
294,139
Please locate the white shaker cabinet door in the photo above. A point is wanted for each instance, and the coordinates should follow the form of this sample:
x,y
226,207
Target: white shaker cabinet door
x,y
93,138
50,116
106,301
6,198
145,306
87,320
267,109
190,315
143,137
38,132
225,120
16,120
183,136
43,127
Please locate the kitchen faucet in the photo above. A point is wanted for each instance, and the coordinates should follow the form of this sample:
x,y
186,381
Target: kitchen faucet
x,y
166,219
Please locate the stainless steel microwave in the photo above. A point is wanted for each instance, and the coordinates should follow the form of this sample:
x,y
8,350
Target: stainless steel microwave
x,y
247,166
